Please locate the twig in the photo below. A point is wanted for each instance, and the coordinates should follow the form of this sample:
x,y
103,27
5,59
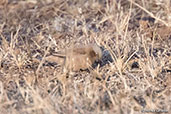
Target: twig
x,y
151,14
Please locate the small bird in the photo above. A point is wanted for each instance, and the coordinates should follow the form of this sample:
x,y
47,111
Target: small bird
x,y
78,57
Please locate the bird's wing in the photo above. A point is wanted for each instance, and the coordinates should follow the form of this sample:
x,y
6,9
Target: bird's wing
x,y
79,51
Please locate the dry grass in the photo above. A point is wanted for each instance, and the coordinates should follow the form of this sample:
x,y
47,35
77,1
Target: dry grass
x,y
133,77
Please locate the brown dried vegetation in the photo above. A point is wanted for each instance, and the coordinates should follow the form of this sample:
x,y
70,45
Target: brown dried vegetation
x,y
134,71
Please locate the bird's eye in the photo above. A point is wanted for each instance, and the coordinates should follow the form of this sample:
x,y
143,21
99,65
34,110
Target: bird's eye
x,y
92,54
